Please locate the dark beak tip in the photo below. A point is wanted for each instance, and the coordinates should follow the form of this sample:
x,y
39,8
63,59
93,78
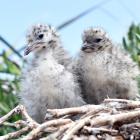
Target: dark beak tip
x,y
26,52
83,47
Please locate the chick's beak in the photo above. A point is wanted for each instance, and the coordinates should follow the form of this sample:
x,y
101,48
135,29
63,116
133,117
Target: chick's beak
x,y
28,50
86,46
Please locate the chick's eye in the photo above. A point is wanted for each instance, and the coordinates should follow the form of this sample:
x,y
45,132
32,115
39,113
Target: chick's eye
x,y
40,36
97,40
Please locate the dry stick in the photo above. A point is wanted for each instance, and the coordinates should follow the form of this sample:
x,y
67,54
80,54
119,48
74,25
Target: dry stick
x,y
130,130
83,137
109,137
74,129
127,126
102,120
15,134
100,130
117,118
32,123
51,129
17,124
11,124
20,123
71,111
19,109
95,112
121,103
34,133
16,110
58,134
118,100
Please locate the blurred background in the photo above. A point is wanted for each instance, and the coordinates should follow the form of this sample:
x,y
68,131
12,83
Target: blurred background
x,y
120,18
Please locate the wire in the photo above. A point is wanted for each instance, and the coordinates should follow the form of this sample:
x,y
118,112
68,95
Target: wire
x,y
10,46
108,13
113,17
98,5
70,21
127,9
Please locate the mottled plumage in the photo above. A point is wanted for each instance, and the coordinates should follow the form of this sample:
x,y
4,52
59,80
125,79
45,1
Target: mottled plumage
x,y
105,70
46,82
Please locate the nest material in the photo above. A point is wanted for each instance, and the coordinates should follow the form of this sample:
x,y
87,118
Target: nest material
x,y
114,119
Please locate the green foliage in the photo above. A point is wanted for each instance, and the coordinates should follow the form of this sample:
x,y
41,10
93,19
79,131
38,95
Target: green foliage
x,y
132,42
9,87
132,45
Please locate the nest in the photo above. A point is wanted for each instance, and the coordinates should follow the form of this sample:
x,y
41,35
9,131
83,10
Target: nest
x,y
114,119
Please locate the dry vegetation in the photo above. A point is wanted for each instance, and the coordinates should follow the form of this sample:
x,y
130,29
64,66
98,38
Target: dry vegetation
x,y
114,119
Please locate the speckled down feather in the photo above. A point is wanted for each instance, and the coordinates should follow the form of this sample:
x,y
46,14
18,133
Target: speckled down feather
x,y
107,72
46,81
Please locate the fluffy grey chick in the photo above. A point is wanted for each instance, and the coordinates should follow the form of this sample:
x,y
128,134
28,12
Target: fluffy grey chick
x,y
46,81
105,70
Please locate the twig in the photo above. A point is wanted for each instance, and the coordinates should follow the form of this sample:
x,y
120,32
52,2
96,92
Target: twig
x,y
122,103
117,114
100,130
115,119
74,129
31,122
118,100
55,113
95,112
15,134
16,110
58,134
20,109
34,133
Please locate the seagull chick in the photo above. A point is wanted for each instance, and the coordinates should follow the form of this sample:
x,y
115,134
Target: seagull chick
x,y
47,82
105,70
